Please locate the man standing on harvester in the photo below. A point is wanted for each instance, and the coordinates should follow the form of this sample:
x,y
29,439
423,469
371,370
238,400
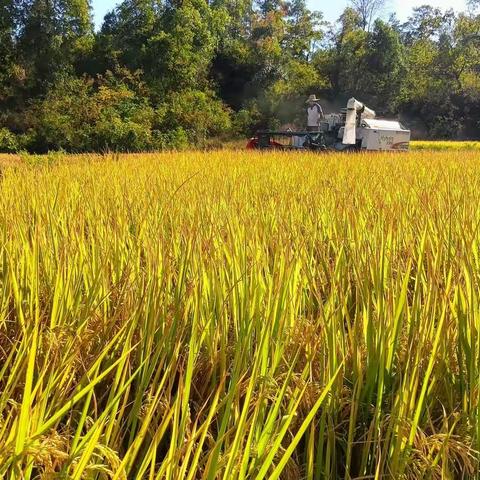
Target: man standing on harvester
x,y
355,128
314,114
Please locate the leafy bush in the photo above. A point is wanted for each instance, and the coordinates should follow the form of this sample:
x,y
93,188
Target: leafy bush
x,y
200,114
124,122
76,115
82,115
246,120
8,141
176,139
65,118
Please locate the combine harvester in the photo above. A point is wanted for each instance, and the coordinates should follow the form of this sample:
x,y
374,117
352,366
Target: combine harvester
x,y
356,128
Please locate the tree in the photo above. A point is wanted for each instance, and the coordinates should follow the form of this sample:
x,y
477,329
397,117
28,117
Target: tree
x,y
52,37
172,43
169,72
303,29
382,71
473,4
427,23
81,115
347,55
7,33
442,85
125,34
183,52
200,114
367,10
265,54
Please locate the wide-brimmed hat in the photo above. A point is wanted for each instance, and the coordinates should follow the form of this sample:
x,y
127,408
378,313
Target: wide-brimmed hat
x,y
312,98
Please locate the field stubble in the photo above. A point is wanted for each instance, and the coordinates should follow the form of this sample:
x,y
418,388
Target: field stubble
x,y
241,315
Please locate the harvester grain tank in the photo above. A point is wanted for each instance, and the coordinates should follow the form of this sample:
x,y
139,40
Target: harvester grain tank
x,y
355,128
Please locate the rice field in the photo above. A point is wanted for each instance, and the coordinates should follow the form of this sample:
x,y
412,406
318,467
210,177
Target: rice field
x,y
239,315
445,145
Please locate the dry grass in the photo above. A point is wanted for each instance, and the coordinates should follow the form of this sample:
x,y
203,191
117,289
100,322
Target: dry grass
x,y
240,315
9,160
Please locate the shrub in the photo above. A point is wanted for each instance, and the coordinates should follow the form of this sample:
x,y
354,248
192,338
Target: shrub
x,y
200,114
8,141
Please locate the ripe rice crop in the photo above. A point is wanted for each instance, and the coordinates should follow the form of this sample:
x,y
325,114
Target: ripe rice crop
x,y
239,315
446,145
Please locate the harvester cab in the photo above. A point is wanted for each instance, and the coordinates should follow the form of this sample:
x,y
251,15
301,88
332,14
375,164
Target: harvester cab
x,y
354,128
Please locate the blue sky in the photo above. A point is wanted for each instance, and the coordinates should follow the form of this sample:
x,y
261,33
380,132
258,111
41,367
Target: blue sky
x,y
330,8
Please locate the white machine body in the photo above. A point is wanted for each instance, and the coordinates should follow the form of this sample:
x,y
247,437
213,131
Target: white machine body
x,y
383,135
359,128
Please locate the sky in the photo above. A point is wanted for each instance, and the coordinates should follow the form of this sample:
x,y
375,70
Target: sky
x,y
330,8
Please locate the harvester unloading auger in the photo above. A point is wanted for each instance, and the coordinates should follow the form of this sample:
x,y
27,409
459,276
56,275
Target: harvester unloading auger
x,y
355,128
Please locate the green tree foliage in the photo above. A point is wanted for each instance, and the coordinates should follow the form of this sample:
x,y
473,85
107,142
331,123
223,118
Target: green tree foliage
x,y
200,114
126,33
192,31
7,59
343,59
82,115
265,68
173,73
79,116
442,85
367,11
385,67
173,44
53,36
7,29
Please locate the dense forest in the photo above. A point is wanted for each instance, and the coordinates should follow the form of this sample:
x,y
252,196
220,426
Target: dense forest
x,y
173,73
